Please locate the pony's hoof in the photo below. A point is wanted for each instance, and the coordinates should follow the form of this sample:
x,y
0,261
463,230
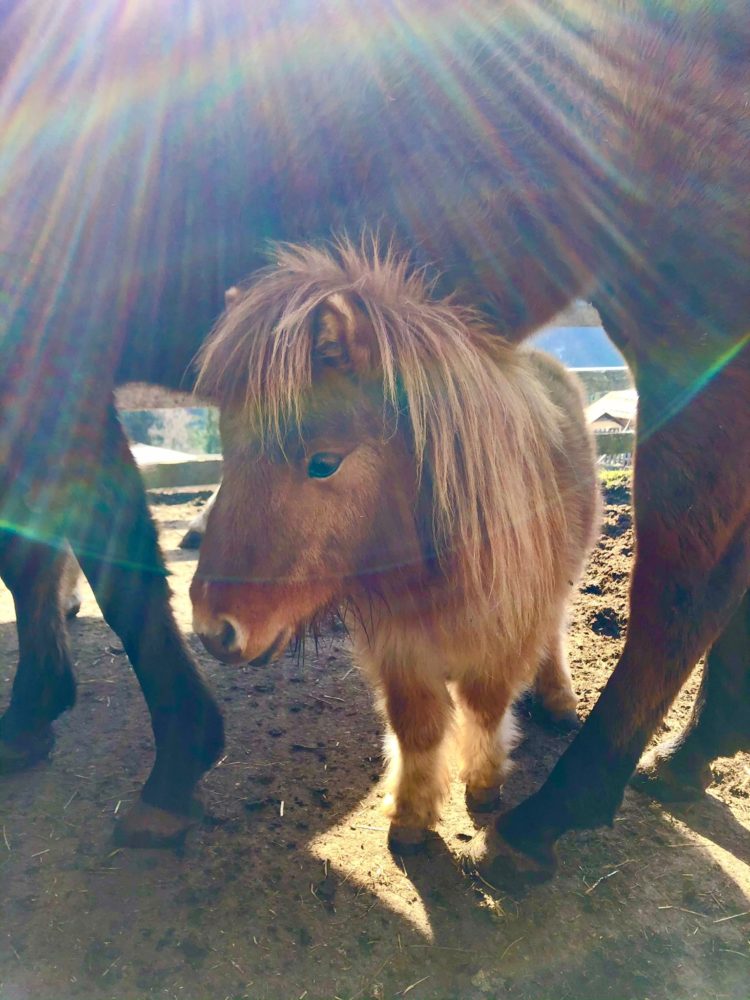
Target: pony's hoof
x,y
191,539
406,840
658,777
26,752
562,722
483,800
149,826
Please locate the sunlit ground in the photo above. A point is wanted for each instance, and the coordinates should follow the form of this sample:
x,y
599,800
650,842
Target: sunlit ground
x,y
374,870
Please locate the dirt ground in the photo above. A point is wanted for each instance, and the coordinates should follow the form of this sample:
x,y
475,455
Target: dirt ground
x,y
287,890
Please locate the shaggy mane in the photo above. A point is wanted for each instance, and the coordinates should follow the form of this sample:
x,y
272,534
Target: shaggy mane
x,y
479,420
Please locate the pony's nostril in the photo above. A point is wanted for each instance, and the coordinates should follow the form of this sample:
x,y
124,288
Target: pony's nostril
x,y
228,637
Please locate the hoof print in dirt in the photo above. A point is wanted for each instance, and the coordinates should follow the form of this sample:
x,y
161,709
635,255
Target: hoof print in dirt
x,y
146,826
606,622
325,891
27,752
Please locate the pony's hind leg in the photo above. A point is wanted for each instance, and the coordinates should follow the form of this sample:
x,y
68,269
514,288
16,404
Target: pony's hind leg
x,y
555,697
419,710
44,686
486,736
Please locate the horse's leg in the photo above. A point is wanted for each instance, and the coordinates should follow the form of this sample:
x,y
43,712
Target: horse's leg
x,y
486,735
692,515
116,544
419,710
44,685
679,770
553,687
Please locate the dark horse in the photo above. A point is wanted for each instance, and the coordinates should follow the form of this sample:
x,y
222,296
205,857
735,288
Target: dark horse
x,y
535,150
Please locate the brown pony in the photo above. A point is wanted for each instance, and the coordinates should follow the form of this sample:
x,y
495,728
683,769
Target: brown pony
x,y
384,450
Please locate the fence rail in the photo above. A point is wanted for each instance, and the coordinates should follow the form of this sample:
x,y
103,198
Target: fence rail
x,y
178,422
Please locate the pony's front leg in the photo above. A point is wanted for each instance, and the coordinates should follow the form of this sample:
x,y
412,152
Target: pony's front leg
x,y
486,737
419,710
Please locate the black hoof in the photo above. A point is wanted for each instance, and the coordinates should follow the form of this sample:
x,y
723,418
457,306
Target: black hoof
x,y
520,850
407,840
507,869
191,540
513,871
147,826
483,800
658,779
26,751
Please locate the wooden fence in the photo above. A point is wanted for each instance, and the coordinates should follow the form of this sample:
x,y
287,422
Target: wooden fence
x,y
180,448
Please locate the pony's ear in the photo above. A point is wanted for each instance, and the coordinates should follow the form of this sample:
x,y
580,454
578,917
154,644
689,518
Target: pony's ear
x,y
231,297
342,335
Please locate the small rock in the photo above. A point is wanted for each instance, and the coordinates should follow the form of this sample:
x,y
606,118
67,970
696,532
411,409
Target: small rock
x,y
482,981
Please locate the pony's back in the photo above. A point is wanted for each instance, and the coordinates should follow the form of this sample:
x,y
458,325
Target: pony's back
x,y
575,461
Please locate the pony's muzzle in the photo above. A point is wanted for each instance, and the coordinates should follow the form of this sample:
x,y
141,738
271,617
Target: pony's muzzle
x,y
223,639
228,644
231,635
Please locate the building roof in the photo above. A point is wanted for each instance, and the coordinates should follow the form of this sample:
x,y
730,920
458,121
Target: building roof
x,y
620,405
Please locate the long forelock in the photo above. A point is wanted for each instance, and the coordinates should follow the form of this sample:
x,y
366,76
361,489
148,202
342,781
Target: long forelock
x,y
475,416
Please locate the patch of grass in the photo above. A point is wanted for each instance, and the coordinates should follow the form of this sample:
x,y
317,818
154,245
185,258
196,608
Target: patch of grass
x,y
616,485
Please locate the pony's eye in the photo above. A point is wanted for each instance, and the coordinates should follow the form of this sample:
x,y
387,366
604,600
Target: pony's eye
x,y
323,465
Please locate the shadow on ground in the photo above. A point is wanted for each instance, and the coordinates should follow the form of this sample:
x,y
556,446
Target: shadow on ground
x,y
287,889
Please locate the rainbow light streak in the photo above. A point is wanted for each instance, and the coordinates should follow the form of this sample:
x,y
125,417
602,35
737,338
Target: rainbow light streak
x,y
99,99
683,399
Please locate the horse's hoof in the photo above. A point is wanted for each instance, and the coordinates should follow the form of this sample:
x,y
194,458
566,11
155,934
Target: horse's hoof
x,y
149,826
513,871
509,869
483,800
191,539
658,777
406,840
26,752
72,609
